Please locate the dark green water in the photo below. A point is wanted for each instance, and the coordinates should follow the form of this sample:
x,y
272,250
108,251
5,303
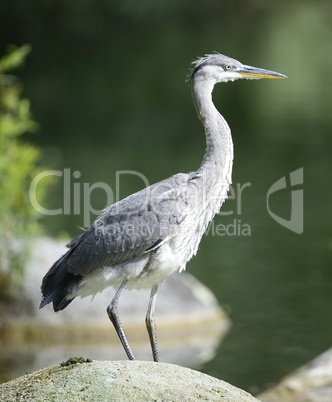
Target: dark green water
x,y
108,90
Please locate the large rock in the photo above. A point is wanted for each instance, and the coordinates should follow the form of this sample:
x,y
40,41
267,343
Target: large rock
x,y
120,381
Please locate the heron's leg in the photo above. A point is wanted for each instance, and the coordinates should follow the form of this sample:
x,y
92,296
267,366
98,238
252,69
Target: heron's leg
x,y
151,323
112,311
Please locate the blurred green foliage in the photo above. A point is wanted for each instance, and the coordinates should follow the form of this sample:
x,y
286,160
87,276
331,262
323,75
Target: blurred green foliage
x,y
18,166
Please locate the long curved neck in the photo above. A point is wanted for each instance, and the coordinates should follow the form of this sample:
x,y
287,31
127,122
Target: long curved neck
x,y
218,159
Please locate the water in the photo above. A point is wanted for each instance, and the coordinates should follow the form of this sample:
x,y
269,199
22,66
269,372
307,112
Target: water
x,y
121,103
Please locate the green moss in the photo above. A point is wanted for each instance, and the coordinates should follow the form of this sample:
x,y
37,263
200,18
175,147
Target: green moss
x,y
18,166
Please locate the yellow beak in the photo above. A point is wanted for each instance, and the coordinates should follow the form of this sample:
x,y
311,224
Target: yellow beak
x,y
255,73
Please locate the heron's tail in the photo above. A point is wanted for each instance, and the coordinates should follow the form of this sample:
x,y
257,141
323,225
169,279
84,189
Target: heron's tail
x,y
59,285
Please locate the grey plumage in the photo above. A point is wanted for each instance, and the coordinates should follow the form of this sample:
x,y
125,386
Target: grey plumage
x,y
128,229
140,240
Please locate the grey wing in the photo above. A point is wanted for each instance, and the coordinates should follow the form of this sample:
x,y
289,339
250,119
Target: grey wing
x,y
131,227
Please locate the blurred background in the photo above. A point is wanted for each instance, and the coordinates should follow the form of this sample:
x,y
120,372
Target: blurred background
x,y
106,82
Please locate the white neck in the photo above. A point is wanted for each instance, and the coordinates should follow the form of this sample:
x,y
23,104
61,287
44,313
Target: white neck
x,y
218,159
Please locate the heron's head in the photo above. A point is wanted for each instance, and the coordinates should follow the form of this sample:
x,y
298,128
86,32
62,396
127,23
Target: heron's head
x,y
220,68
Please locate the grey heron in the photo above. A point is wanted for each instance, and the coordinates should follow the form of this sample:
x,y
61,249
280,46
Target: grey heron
x,y
140,240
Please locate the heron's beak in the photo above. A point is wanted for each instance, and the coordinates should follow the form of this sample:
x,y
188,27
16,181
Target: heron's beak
x,y
255,73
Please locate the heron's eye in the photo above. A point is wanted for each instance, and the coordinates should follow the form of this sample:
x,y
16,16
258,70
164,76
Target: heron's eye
x,y
228,67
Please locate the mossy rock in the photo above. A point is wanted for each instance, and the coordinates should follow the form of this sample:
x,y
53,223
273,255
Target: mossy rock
x,y
134,381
